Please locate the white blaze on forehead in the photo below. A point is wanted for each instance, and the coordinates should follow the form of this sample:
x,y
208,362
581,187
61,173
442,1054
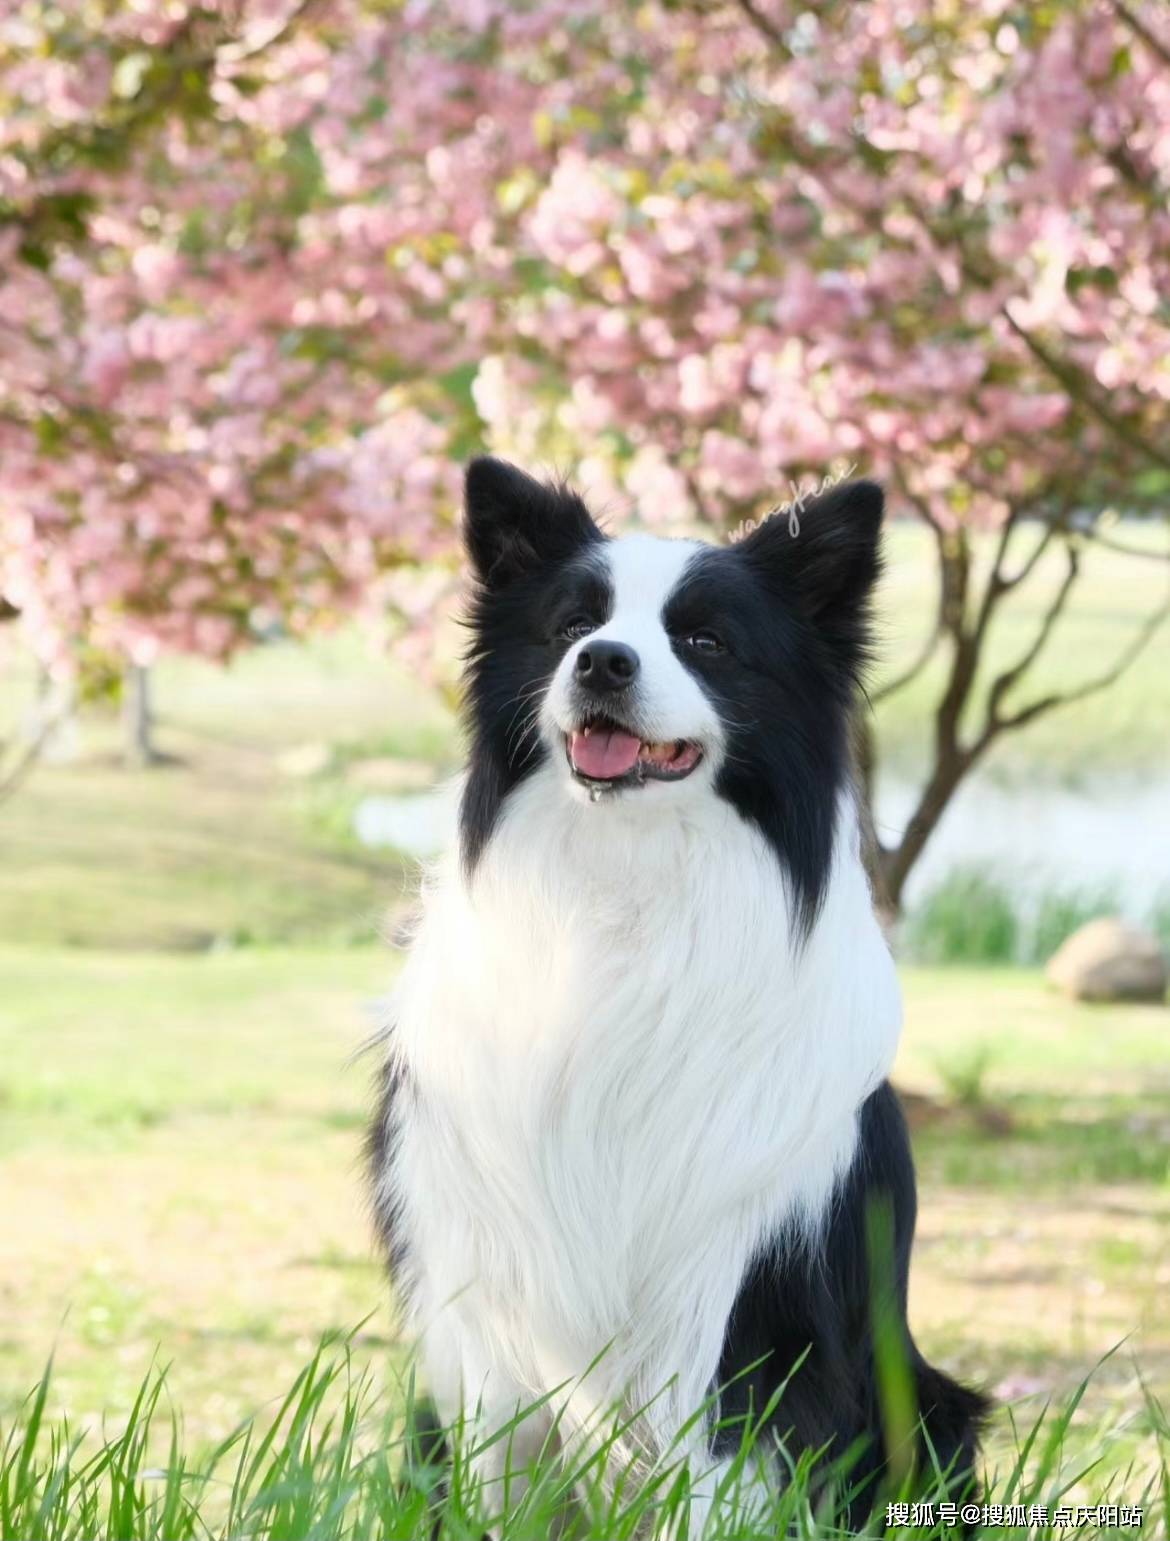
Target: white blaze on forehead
x,y
645,571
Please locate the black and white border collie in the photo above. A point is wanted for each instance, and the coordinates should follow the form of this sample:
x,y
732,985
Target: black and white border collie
x,y
635,1104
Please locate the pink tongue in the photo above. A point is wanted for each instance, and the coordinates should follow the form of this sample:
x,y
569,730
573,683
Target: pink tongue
x,y
603,754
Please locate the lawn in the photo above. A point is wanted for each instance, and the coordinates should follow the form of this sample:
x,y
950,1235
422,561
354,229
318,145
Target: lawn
x,y
222,844
179,1155
189,961
180,1171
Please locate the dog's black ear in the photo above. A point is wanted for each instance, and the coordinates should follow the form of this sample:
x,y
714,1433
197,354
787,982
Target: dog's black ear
x,y
513,523
827,556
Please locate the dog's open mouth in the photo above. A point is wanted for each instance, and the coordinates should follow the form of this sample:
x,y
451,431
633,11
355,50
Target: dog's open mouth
x,y
604,754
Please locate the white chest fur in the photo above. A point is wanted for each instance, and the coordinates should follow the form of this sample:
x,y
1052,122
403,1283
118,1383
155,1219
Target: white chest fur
x,y
625,1075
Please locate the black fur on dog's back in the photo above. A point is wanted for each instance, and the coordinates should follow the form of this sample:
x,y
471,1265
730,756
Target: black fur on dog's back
x,y
803,1326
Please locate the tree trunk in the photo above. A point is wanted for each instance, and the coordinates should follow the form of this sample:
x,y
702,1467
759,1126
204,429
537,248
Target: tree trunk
x,y
137,717
51,731
49,734
889,867
864,766
897,862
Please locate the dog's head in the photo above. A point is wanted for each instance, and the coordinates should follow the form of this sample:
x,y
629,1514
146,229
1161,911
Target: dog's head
x,y
664,670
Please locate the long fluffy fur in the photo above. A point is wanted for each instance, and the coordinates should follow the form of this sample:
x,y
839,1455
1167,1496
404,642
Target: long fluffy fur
x,y
634,1104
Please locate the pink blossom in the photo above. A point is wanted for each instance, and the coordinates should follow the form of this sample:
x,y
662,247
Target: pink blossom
x,y
659,490
238,387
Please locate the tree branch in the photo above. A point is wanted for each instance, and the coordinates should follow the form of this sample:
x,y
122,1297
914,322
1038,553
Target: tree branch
x,y
1139,28
1050,529
921,506
12,778
1004,682
996,585
1074,382
912,670
1063,370
1093,687
1108,544
930,645
765,26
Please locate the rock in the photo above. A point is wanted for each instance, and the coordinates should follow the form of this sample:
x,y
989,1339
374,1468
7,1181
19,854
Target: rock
x,y
1109,960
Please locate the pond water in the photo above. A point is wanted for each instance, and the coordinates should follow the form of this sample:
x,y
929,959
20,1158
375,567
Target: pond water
x,y
1109,834
419,824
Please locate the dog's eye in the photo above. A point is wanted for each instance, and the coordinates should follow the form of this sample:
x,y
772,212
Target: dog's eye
x,y
705,642
580,626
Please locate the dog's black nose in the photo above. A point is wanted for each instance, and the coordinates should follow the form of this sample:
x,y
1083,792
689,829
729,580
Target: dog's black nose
x,y
606,666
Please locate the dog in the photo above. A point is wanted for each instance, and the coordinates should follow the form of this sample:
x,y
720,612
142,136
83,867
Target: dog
x,y
635,1122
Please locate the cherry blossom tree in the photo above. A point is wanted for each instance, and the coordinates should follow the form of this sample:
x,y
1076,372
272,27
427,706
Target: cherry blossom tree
x,y
272,268
198,429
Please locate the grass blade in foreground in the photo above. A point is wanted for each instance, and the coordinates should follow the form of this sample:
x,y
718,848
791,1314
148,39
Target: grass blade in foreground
x,y
341,1460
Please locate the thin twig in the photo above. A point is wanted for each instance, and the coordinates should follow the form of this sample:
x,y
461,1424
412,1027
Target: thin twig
x,y
1074,382
1010,677
1092,687
15,775
1050,529
911,672
1141,30
996,586
765,26
921,506
1109,544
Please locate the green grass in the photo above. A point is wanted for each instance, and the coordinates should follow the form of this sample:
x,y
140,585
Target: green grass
x,y
220,846
970,917
180,1186
180,1170
181,1112
340,1459
973,916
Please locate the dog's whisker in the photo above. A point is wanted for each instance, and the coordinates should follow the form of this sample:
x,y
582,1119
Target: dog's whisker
x,y
530,728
